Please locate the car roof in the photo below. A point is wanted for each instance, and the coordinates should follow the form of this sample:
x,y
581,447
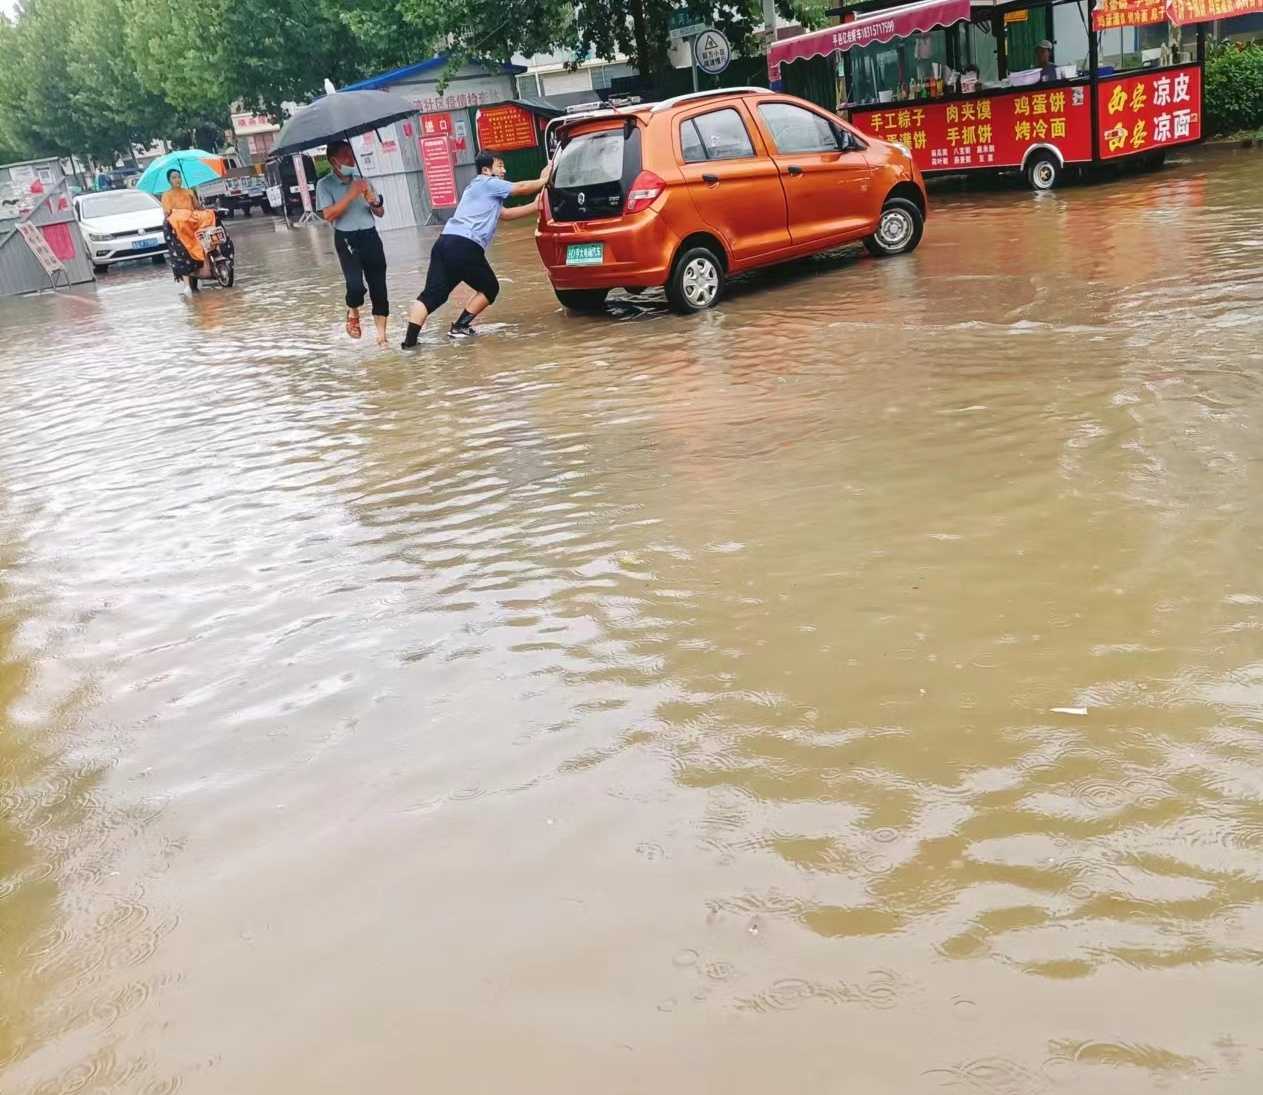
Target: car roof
x,y
698,96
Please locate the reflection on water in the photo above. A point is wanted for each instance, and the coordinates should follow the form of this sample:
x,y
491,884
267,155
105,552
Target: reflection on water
x,y
658,703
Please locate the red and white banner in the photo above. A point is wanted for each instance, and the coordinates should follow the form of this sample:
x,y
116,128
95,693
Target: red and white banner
x,y
1183,12
1128,13
988,131
1151,111
440,171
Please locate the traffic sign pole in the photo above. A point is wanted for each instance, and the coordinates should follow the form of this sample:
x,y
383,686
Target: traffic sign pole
x,y
693,59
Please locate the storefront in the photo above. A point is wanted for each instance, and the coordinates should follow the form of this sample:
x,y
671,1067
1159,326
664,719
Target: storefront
x,y
969,85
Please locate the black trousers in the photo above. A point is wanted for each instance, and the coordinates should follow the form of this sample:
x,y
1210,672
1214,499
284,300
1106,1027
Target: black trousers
x,y
454,259
363,259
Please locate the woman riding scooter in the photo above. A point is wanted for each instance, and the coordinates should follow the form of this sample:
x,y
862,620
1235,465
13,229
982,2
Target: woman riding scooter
x,y
185,217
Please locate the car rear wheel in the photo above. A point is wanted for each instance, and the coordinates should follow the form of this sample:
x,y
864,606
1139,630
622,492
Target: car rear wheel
x,y
582,300
899,229
697,281
97,268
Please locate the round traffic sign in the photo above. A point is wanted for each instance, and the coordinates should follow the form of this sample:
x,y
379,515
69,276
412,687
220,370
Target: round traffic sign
x,y
712,52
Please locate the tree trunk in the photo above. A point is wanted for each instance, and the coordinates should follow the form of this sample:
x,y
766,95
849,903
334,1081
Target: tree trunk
x,y
646,61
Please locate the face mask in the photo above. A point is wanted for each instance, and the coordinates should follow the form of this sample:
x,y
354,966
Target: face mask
x,y
348,171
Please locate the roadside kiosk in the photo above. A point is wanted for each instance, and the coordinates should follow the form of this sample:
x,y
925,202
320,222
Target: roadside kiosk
x,y
972,85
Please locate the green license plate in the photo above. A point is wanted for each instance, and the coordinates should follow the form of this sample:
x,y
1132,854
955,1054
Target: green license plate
x,y
585,254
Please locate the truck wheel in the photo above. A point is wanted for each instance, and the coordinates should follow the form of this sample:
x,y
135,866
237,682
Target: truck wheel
x,y
1043,172
696,282
899,229
582,300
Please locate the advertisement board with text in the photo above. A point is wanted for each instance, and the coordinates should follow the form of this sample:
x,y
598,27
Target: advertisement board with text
x,y
440,171
986,131
1149,111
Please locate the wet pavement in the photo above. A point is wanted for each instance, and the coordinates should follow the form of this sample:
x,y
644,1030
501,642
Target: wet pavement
x,y
648,704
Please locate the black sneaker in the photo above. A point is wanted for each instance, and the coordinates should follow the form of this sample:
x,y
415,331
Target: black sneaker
x,y
458,331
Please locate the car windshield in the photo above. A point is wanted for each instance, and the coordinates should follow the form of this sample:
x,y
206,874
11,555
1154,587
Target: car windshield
x,y
122,201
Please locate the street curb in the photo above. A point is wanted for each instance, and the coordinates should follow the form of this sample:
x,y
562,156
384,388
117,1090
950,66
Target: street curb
x,y
1239,142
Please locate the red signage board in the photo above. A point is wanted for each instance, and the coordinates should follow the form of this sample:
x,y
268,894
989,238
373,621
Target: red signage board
x,y
1128,13
986,131
440,171
504,128
1140,113
436,125
1183,12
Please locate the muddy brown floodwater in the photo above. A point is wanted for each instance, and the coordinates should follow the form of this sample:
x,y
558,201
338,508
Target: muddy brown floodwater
x,y
648,704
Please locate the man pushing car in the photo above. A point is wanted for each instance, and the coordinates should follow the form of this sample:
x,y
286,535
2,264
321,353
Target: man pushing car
x,y
460,252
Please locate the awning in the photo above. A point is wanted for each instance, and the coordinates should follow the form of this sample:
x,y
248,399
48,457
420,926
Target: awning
x,y
880,26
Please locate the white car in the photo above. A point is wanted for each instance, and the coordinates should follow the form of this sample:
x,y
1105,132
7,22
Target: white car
x,y
118,225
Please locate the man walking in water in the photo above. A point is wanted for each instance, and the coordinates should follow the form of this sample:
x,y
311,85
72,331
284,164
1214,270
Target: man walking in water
x,y
350,203
460,252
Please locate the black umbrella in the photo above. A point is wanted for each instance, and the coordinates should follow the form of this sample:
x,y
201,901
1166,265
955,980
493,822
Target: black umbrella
x,y
340,116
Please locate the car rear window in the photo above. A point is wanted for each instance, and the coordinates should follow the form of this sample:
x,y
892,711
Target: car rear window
x,y
591,158
593,173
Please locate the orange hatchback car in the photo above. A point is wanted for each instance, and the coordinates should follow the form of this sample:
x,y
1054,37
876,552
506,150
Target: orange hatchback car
x,y
685,192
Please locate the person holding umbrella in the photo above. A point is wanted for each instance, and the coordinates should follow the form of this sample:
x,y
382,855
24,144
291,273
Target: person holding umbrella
x,y
171,178
332,121
349,203
185,217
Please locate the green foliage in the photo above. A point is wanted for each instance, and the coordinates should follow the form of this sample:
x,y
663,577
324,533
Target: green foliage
x,y
1234,88
95,77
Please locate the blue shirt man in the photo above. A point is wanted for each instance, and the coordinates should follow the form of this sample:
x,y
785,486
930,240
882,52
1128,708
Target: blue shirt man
x,y
460,252
478,215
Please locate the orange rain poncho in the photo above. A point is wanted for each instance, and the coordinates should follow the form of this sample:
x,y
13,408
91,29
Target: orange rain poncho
x,y
180,205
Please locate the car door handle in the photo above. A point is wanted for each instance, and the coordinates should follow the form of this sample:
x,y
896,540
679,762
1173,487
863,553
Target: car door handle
x,y
794,169
710,180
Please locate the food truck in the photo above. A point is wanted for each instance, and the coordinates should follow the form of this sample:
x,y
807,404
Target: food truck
x,y
1036,86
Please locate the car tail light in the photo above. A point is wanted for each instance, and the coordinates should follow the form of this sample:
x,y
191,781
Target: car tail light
x,y
644,192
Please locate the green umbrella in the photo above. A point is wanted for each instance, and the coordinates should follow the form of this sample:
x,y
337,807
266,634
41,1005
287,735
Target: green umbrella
x,y
196,166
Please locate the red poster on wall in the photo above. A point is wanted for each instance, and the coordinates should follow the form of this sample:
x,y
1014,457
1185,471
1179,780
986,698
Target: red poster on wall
x,y
988,131
440,171
436,125
504,128
1139,113
1128,13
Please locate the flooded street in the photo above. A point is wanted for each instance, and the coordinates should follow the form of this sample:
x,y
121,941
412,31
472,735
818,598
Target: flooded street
x,y
647,704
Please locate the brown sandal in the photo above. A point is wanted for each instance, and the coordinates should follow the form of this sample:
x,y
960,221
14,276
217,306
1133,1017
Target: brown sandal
x,y
353,326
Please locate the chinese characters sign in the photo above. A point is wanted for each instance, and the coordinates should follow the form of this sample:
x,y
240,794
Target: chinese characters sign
x,y
504,128
1136,13
1139,113
991,131
440,171
436,125
430,104
1128,13
1183,12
